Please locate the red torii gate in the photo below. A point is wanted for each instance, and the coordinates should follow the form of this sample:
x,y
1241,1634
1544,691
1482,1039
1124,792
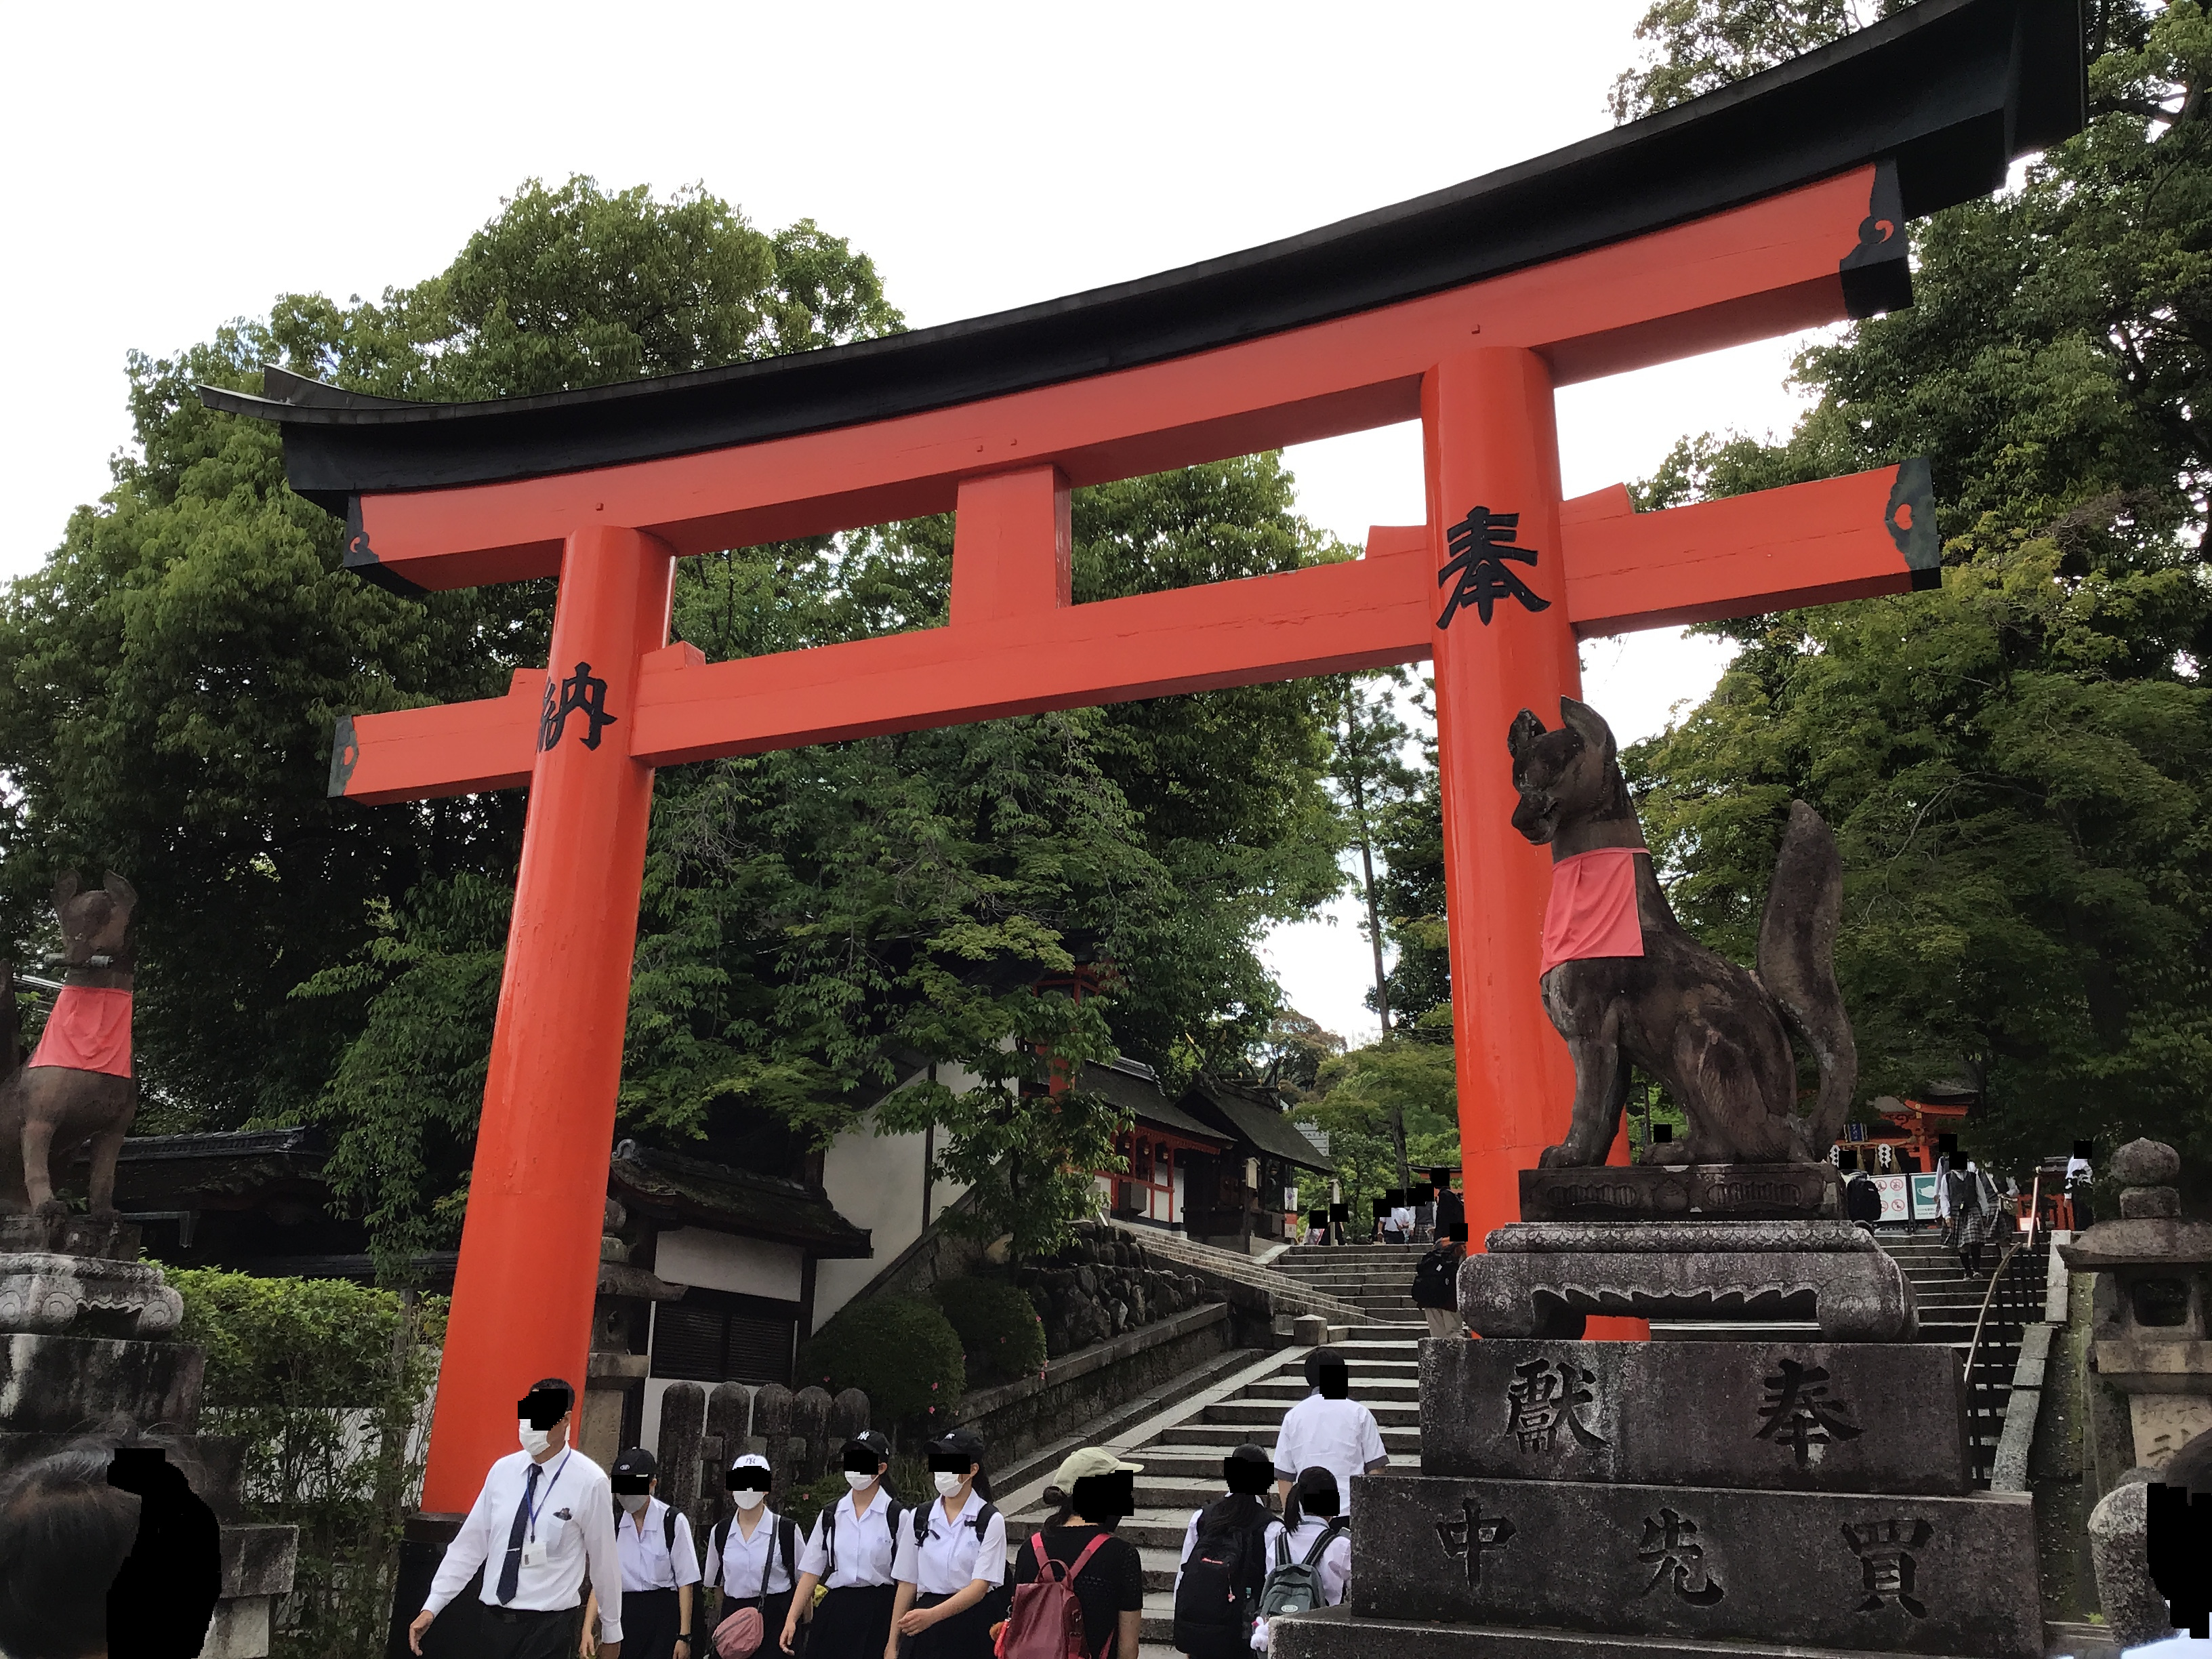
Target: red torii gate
x,y
1777,205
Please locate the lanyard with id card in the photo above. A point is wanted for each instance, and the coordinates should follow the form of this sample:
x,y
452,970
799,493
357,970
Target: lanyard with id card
x,y
533,1547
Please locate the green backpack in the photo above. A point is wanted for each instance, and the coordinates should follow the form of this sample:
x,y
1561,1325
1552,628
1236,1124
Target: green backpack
x,y
1295,1586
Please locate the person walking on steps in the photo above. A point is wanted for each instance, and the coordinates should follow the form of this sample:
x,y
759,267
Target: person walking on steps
x,y
1436,1284
1451,1208
1309,1553
850,1550
660,1568
951,1560
2078,1180
1861,1199
752,1552
1973,1214
544,1514
1105,1573
1223,1565
1330,1429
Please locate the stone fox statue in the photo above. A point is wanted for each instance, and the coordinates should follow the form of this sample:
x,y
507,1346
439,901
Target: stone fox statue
x,y
77,1087
1624,983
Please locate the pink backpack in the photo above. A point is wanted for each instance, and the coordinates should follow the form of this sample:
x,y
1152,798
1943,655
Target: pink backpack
x,y
1046,1621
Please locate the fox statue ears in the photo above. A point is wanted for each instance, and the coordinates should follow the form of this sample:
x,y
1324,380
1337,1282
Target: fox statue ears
x,y
1579,718
65,889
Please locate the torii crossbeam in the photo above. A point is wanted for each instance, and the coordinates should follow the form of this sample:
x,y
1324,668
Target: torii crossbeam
x,y
1777,204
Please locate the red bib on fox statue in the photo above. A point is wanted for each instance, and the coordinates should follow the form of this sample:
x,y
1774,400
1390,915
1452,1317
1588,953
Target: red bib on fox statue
x,y
89,1031
1592,911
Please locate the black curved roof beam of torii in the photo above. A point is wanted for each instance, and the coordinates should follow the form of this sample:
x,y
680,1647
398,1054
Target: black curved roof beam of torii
x,y
1940,98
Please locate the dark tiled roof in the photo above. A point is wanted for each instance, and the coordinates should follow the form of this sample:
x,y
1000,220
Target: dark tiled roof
x,y
1142,1099
669,1187
216,1172
1258,1123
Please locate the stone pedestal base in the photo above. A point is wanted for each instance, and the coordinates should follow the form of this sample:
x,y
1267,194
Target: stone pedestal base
x,y
1794,1416
86,1295
1919,1574
1333,1634
1542,1279
1716,1192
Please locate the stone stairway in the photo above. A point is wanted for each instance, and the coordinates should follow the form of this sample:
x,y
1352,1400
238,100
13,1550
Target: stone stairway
x,y
1950,1303
1182,1448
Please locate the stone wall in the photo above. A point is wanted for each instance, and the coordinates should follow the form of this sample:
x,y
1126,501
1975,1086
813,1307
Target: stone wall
x,y
1016,1418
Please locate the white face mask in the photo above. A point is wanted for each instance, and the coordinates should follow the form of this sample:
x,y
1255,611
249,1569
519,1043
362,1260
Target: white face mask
x,y
633,1501
748,1499
948,1484
534,1441
856,1481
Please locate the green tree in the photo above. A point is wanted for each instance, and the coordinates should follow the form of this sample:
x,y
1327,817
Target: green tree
x,y
2016,767
1364,1099
173,672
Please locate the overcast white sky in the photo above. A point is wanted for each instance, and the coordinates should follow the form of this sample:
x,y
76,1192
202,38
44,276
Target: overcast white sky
x,y
173,166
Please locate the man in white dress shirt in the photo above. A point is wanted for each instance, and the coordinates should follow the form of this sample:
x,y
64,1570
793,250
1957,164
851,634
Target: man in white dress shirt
x,y
1328,1430
544,1513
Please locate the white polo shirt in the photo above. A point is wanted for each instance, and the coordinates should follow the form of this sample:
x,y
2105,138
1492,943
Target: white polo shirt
x,y
1337,1435
864,1546
648,1563
952,1557
746,1567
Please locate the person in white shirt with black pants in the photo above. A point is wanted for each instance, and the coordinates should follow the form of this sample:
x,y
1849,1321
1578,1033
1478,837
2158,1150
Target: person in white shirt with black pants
x,y
951,1560
851,1550
544,1514
660,1568
1329,1429
752,1552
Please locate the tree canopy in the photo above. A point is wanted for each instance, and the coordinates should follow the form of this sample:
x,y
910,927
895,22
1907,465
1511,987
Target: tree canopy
x,y
817,925
2019,767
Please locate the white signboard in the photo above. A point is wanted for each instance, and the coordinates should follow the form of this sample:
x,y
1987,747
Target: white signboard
x,y
1896,1192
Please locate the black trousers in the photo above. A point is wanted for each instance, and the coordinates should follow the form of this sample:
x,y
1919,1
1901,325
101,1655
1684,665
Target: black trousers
x,y
966,1635
651,1621
512,1634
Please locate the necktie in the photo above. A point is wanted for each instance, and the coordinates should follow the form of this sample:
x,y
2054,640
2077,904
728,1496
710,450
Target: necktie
x,y
510,1572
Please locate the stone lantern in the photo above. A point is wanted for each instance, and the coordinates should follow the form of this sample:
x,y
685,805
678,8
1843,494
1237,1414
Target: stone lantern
x,y
2148,1337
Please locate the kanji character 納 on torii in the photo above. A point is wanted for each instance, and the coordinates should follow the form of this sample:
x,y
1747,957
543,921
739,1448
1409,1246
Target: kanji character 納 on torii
x,y
1777,204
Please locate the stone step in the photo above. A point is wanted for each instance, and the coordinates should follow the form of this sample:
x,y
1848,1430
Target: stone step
x,y
1369,1390
1210,1443
1270,1412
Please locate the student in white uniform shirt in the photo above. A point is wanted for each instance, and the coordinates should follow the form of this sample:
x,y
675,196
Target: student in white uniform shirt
x,y
951,1560
850,1550
752,1552
1313,1512
544,1513
660,1569
1328,1430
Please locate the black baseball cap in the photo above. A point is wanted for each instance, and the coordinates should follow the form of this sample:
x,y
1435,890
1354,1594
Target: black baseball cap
x,y
634,1471
865,1453
954,1450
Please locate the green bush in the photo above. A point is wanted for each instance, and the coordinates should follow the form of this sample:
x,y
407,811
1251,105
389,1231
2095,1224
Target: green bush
x,y
328,1384
996,1325
900,1351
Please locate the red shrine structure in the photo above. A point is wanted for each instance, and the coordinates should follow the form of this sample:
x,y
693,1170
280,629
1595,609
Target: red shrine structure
x,y
1775,204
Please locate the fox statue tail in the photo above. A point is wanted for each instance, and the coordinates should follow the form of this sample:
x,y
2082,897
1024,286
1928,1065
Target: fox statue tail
x,y
1797,965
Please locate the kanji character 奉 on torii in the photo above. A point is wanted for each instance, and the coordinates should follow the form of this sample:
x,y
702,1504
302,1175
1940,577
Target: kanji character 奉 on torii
x,y
1779,203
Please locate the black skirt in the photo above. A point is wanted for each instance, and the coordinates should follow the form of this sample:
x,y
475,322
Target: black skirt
x,y
852,1624
966,1635
651,1620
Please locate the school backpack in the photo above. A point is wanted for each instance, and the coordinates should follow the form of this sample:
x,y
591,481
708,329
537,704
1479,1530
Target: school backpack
x,y
1295,1586
1436,1280
1046,1620
1213,1598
